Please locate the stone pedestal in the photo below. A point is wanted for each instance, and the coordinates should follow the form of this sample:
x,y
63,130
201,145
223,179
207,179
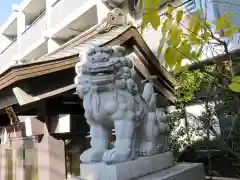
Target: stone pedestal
x,y
159,167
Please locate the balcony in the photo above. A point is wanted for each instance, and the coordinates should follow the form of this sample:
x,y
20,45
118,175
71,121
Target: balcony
x,y
33,37
8,36
62,9
8,56
70,17
9,28
33,7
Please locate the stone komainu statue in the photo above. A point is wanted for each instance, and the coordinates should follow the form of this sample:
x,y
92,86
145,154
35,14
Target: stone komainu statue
x,y
106,82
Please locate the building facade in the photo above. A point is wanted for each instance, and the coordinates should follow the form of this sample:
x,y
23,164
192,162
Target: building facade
x,y
38,27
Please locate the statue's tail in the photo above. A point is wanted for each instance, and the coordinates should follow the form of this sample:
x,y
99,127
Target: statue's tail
x,y
149,96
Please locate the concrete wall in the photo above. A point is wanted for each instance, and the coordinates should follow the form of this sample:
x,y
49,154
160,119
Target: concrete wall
x,y
42,156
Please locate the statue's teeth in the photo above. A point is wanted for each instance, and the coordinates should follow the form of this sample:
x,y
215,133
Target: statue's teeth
x,y
99,74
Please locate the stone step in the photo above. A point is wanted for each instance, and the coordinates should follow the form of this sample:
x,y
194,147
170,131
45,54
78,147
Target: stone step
x,y
183,171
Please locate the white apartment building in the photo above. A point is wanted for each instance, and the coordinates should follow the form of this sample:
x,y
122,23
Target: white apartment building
x,y
37,27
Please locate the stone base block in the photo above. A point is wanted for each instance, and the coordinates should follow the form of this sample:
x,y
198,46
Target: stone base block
x,y
183,171
128,170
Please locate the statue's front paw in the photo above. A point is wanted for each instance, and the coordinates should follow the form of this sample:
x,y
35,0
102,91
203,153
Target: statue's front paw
x,y
116,155
147,149
92,155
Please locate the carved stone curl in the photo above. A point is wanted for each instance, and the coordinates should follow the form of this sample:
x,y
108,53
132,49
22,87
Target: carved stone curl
x,y
111,99
115,18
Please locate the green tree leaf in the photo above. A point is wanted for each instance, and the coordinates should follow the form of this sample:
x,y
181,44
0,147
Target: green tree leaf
x,y
193,39
237,29
170,10
236,79
206,36
229,15
149,4
168,56
144,22
179,16
208,25
185,49
193,55
165,27
200,51
159,51
154,76
219,23
178,67
171,56
161,45
184,69
153,18
234,87
196,28
228,24
174,36
224,22
228,33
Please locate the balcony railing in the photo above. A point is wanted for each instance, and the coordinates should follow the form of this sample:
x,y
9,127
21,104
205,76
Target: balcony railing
x,y
33,33
62,9
7,56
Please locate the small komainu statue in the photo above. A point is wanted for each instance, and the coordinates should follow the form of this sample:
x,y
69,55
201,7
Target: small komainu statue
x,y
106,82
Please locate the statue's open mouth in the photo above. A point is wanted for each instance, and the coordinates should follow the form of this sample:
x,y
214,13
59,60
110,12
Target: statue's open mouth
x,y
103,73
102,77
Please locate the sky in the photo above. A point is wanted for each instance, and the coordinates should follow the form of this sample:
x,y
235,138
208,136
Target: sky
x,y
6,9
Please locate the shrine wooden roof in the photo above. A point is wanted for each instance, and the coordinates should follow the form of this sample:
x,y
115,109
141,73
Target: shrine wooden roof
x,y
65,58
